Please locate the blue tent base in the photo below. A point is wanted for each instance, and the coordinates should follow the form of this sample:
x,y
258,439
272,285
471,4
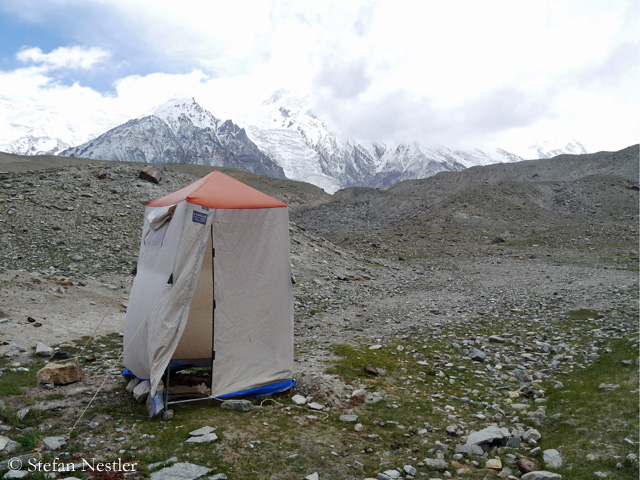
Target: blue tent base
x,y
261,391
163,397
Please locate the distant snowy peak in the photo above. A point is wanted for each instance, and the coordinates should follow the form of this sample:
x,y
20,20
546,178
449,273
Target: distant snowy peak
x,y
307,148
552,148
178,111
31,145
180,131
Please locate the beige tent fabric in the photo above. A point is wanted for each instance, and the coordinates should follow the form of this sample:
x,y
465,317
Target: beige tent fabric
x,y
195,342
254,315
158,310
254,307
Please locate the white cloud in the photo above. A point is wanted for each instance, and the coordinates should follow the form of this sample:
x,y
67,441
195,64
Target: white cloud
x,y
459,72
75,57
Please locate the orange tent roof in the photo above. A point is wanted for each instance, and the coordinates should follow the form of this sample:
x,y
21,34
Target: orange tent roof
x,y
218,190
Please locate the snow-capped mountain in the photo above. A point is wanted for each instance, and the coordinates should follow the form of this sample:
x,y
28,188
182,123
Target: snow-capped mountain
x,y
41,130
180,131
281,138
286,128
30,145
552,148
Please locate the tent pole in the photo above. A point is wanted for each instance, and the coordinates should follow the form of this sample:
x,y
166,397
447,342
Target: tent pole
x,y
166,388
213,310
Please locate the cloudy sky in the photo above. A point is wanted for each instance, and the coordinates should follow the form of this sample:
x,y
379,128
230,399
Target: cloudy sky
x,y
461,73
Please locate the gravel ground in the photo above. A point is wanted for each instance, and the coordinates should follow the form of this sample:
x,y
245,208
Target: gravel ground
x,y
512,258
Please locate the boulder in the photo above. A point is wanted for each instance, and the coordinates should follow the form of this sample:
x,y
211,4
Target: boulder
x,y
151,174
60,374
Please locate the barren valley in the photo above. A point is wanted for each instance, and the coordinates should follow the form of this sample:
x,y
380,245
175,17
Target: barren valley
x,y
499,302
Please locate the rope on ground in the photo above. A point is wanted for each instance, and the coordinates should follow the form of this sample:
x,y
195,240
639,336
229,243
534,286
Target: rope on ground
x,y
105,376
272,400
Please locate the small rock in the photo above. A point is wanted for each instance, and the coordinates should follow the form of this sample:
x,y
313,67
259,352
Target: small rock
x,y
205,438
7,445
312,476
237,405
298,399
23,412
494,463
541,475
608,386
531,436
389,475
132,384
526,464
54,443
141,391
167,414
410,470
43,350
435,464
371,370
15,474
349,418
358,427
316,406
60,355
180,471
477,355
552,458
202,431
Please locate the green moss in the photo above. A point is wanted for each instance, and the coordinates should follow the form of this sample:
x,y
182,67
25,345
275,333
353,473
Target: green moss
x,y
596,420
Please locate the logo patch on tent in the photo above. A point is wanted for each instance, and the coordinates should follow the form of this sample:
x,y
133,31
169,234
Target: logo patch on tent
x,y
199,217
204,208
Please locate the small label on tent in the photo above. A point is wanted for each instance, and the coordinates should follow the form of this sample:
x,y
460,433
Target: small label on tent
x,y
204,208
199,217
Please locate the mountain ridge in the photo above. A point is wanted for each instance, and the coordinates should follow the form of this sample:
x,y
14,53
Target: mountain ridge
x,y
170,135
284,138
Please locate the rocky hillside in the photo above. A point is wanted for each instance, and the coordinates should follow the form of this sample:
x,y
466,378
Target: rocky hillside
x,y
365,208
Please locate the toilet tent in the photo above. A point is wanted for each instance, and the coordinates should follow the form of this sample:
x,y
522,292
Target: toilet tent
x,y
213,287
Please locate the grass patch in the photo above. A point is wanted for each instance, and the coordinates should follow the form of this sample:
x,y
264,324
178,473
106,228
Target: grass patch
x,y
352,361
14,383
582,314
597,420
